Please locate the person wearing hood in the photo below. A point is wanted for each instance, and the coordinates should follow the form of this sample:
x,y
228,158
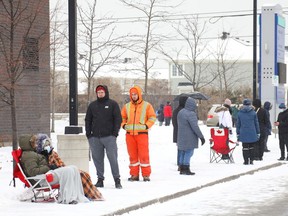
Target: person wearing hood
x,y
182,101
225,115
102,125
247,130
188,135
138,116
282,124
263,124
267,106
71,189
45,147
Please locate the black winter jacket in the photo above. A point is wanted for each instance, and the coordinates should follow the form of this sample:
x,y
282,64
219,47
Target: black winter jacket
x,y
103,117
283,122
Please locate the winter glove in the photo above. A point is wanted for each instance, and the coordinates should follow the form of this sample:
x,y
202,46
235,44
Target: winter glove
x,y
202,141
52,167
258,136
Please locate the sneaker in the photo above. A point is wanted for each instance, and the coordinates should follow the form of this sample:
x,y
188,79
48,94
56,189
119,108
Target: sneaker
x,y
146,178
100,183
118,183
133,178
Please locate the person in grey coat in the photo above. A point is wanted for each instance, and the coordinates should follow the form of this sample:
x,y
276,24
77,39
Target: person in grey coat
x,y
248,130
188,134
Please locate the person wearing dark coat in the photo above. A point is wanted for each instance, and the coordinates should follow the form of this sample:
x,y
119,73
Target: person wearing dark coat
x,y
160,114
282,123
182,101
263,124
102,124
188,135
267,106
248,130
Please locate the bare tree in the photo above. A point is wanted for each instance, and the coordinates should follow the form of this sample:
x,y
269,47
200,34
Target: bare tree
x,y
19,20
226,69
98,47
154,12
194,50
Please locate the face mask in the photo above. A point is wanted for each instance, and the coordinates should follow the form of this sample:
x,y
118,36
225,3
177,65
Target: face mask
x,y
48,149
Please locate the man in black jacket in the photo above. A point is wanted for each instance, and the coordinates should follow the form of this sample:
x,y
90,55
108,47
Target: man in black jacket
x,y
282,123
102,123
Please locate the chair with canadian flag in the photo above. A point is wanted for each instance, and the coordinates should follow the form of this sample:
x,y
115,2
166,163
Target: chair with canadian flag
x,y
221,148
38,187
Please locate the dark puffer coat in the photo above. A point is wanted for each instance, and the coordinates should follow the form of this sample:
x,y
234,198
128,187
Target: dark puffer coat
x,y
182,101
262,117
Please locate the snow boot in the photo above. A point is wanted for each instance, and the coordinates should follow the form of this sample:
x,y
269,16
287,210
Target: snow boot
x,y
118,183
185,170
100,183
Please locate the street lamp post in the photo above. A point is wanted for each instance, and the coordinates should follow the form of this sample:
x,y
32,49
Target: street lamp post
x,y
254,49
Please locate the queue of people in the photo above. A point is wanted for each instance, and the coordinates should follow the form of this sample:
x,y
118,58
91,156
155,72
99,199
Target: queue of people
x,y
104,119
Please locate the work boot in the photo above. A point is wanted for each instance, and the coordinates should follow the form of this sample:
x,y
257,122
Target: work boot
x,y
146,178
100,183
133,178
118,183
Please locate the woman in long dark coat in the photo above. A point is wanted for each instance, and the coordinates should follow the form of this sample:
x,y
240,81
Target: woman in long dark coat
x,y
248,130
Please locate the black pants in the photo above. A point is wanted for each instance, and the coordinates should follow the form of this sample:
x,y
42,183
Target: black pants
x,y
283,141
259,147
248,152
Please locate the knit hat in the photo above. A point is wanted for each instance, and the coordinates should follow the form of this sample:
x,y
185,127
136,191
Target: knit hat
x,y
227,101
282,106
246,102
100,88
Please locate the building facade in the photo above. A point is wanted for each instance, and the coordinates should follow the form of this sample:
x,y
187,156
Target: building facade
x,y
24,67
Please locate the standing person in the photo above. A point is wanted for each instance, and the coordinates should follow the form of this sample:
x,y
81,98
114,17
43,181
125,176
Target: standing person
x,y
225,115
160,114
137,117
282,123
102,124
267,106
263,124
188,134
235,110
167,113
248,131
182,101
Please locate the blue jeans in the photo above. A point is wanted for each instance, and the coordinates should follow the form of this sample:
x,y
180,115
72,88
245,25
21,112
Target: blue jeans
x,y
185,156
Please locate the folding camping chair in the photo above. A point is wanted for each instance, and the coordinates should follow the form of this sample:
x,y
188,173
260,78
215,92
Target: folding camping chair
x,y
220,147
39,193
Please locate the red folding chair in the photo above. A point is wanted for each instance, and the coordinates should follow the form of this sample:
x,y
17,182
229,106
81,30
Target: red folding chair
x,y
220,147
39,193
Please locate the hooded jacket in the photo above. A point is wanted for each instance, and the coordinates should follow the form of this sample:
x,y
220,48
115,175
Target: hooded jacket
x,y
139,116
32,162
247,126
188,129
103,117
182,101
262,116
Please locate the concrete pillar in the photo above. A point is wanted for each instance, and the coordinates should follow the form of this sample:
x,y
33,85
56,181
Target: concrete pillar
x,y
74,150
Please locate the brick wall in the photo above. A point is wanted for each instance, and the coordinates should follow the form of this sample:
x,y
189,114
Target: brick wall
x,y
33,89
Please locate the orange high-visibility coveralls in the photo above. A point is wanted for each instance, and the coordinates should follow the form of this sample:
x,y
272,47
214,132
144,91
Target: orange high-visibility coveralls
x,y
137,118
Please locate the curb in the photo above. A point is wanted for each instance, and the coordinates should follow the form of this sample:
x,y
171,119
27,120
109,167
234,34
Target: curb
x,y
188,191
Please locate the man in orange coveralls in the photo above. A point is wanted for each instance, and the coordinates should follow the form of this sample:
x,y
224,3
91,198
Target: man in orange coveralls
x,y
137,117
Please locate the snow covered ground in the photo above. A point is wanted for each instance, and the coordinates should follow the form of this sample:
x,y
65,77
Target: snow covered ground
x,y
165,180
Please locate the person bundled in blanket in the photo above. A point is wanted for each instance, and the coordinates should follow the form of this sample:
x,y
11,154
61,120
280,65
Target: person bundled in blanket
x,y
45,147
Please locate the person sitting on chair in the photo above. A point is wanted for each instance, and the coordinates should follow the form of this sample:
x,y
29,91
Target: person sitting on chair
x,y
34,164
